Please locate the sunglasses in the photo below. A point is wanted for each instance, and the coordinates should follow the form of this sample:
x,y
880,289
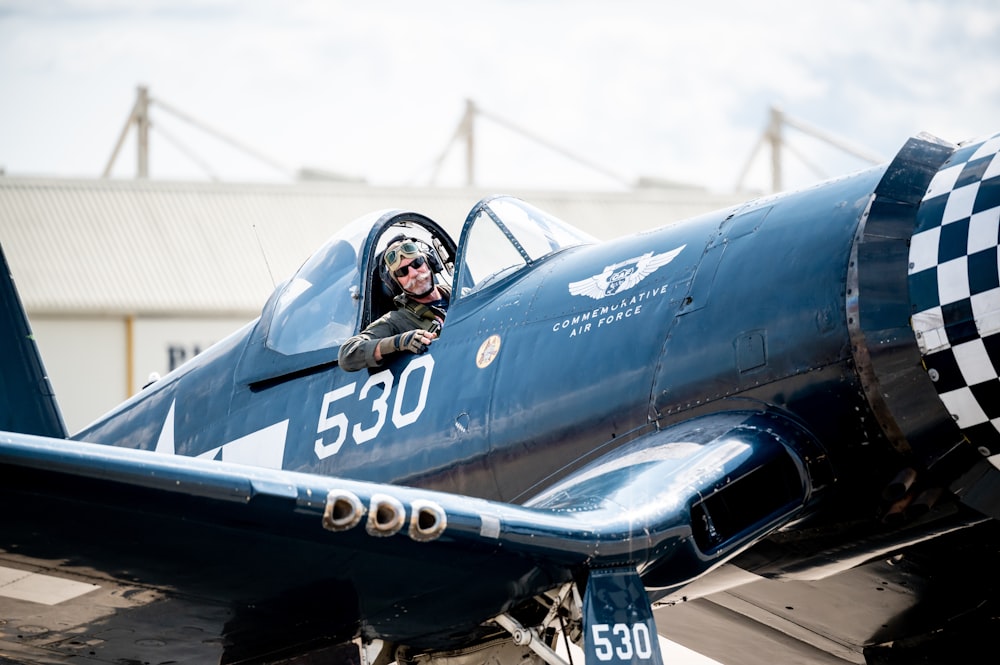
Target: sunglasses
x,y
416,264
395,254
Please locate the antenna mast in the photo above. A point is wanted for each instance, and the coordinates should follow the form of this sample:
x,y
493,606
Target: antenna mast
x,y
773,136
466,130
140,118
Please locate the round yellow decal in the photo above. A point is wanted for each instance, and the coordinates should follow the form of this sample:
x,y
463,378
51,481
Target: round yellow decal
x,y
488,350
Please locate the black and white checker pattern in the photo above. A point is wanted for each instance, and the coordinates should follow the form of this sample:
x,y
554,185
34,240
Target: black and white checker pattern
x,y
954,283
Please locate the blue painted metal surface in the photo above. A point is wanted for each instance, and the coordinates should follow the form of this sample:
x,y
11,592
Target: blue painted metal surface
x,y
621,625
745,388
27,402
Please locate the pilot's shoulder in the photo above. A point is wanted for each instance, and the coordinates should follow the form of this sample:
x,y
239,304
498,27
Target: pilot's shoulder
x,y
391,323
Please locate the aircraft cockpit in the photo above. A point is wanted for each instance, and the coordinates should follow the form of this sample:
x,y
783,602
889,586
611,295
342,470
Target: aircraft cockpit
x,y
338,290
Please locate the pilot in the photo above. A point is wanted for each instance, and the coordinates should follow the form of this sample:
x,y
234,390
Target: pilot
x,y
421,305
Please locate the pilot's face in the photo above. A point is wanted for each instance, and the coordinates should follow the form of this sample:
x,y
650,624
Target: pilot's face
x,y
415,280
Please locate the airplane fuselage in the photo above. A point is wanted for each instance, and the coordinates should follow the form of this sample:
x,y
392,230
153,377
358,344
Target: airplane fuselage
x,y
530,381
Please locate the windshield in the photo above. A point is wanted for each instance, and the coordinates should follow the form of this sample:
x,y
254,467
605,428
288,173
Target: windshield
x,y
502,235
318,307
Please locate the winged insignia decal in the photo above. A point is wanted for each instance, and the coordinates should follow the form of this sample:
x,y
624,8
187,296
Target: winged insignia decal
x,y
623,275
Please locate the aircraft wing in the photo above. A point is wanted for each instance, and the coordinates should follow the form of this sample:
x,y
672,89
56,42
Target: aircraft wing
x,y
113,553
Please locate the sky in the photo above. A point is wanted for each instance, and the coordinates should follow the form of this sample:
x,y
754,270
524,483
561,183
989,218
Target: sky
x,y
632,89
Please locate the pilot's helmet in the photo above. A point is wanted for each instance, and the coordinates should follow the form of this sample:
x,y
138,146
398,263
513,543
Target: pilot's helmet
x,y
399,250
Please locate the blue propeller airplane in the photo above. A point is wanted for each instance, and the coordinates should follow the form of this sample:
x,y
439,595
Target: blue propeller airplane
x,y
769,433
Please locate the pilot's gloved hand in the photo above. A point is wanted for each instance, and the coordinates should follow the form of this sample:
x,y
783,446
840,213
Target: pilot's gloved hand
x,y
414,341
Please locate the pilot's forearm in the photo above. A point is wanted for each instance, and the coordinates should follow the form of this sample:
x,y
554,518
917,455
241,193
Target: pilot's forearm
x,y
359,352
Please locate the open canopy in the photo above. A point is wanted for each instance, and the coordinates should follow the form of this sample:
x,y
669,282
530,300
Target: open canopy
x,y
338,290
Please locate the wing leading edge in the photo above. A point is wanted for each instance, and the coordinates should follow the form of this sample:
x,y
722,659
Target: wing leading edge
x,y
290,561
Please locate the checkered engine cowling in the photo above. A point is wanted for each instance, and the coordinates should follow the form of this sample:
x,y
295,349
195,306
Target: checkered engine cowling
x,y
954,287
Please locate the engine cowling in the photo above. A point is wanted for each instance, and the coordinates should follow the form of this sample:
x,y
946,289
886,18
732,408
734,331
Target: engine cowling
x,y
933,221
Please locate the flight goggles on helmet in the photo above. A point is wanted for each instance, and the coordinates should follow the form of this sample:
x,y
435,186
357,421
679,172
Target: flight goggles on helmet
x,y
396,252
